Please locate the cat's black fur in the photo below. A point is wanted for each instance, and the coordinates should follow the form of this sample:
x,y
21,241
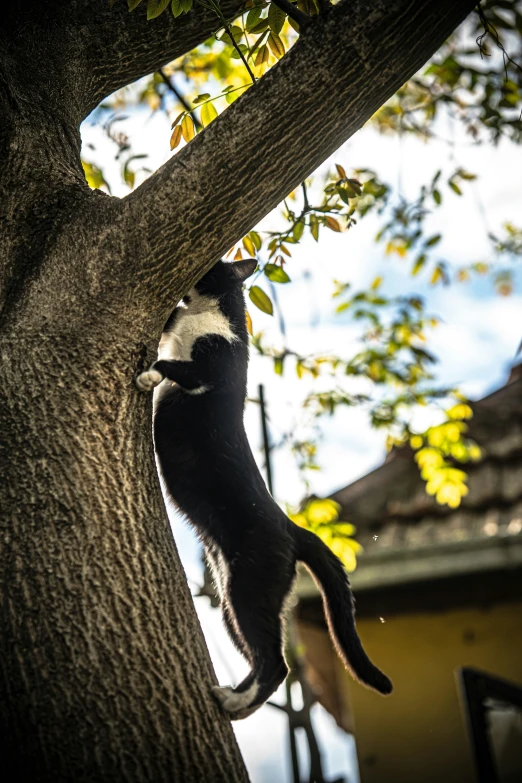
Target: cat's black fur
x,y
211,475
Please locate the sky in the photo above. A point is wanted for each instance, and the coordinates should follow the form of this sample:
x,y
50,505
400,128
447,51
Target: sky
x,y
476,342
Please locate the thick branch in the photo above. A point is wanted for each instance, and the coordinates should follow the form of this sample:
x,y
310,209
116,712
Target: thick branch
x,y
230,176
124,46
86,49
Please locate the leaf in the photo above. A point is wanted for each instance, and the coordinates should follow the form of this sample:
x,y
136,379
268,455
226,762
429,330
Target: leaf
x,y
276,45
252,18
187,128
419,263
176,137
132,4
437,198
261,300
278,365
332,223
176,8
435,239
314,227
236,33
276,18
262,55
294,24
208,113
260,27
94,176
298,230
186,5
239,255
249,246
256,239
249,326
156,7
203,97
276,274
180,115
376,283
341,171
453,185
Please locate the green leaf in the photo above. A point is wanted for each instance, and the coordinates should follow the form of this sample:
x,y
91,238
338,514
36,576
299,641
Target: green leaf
x,y
132,4
186,5
419,263
203,97
262,55
453,185
437,198
156,7
176,7
260,27
208,113
278,365
276,18
252,18
298,230
261,300
432,240
276,45
276,274
314,227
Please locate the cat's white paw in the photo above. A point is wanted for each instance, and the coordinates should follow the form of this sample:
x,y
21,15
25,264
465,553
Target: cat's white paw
x,y
235,702
146,381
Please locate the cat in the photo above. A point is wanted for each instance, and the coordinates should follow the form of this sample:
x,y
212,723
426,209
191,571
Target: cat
x,y
211,475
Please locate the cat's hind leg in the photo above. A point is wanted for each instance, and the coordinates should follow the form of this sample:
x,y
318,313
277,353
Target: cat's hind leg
x,y
256,597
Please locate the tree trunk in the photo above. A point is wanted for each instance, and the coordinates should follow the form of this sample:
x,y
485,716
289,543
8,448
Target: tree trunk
x,y
104,674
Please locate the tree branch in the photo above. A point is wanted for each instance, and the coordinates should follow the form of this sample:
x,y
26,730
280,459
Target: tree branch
x,y
205,198
119,46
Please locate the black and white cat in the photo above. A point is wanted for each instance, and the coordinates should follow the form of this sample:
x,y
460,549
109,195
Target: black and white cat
x,y
211,475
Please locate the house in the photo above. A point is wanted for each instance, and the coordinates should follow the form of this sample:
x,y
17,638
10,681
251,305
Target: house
x,y
437,589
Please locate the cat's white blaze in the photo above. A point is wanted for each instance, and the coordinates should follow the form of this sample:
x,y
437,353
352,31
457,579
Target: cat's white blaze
x,y
200,318
232,701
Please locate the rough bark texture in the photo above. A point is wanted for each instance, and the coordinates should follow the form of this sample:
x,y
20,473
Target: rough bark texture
x,y
104,675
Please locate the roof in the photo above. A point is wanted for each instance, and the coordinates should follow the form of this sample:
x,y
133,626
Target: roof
x,y
408,537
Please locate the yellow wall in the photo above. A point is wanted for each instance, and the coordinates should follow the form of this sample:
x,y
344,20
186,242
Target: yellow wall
x,y
417,734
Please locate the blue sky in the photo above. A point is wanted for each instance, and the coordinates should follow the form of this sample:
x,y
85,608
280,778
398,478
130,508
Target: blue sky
x,y
475,343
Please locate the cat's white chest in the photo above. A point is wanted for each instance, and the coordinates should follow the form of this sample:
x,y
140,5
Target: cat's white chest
x,y
188,328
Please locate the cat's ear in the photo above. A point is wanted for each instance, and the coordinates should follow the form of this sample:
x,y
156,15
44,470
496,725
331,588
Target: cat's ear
x,y
243,269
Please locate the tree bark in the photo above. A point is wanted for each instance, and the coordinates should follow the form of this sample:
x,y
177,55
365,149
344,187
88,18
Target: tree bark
x,y
104,675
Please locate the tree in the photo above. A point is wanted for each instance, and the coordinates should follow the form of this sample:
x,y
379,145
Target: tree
x,y
104,673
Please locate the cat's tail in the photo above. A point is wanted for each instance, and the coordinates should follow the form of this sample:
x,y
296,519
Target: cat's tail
x,y
338,601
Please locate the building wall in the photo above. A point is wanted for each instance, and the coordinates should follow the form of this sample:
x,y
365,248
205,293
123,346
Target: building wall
x,y
417,734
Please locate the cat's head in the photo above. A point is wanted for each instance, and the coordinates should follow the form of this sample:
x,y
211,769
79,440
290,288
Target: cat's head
x,y
225,277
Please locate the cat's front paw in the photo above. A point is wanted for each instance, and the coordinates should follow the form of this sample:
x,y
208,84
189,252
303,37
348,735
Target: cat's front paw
x,y
146,381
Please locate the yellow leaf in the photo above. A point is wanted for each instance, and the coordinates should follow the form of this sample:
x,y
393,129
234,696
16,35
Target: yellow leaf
x,y
341,171
176,137
321,511
238,256
249,326
249,246
187,128
208,113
